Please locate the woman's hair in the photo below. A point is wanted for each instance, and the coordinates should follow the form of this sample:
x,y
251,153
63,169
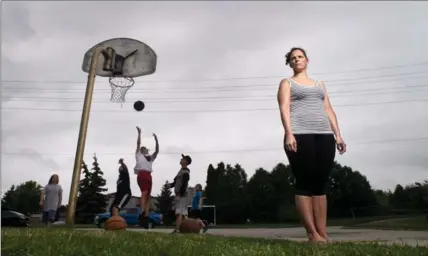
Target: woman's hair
x,y
51,179
288,55
199,186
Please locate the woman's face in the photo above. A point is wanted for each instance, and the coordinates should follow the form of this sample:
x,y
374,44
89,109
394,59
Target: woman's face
x,y
298,60
55,179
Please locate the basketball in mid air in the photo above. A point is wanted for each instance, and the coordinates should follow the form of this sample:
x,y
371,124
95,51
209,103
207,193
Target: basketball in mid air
x,y
139,105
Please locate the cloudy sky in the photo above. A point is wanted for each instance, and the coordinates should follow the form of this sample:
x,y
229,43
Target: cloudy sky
x,y
213,95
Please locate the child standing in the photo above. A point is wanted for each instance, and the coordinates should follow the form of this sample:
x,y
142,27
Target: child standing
x,y
180,185
196,210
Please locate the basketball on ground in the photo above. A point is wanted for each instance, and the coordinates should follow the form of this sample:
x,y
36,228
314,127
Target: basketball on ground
x,y
115,223
190,225
139,105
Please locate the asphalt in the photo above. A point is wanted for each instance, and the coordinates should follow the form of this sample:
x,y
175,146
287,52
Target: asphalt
x,y
337,234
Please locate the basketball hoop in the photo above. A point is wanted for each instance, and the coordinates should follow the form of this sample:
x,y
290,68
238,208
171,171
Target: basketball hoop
x,y
121,60
119,86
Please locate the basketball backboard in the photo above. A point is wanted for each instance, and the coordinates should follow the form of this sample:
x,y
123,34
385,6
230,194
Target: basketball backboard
x,y
137,58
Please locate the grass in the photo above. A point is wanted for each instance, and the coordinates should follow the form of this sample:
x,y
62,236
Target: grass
x,y
397,222
57,242
41,225
409,223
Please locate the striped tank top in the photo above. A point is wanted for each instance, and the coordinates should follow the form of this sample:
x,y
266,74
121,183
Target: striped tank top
x,y
307,111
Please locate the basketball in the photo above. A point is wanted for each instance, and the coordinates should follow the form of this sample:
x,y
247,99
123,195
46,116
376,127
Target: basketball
x,y
139,105
115,223
190,225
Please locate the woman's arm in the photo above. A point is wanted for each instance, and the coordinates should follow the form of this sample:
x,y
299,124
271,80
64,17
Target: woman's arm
x,y
42,196
60,198
331,114
284,97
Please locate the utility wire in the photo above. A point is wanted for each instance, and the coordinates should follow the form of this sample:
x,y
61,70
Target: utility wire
x,y
225,88
230,78
226,150
247,98
332,81
208,110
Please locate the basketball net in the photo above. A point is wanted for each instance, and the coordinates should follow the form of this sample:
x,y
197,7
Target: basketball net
x,y
119,86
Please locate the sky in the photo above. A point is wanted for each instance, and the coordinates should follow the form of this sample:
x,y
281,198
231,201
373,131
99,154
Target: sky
x,y
213,95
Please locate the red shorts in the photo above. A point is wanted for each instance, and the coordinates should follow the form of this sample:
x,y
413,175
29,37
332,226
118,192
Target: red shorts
x,y
144,180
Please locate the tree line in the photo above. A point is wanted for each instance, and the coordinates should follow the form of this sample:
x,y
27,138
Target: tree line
x,y
267,196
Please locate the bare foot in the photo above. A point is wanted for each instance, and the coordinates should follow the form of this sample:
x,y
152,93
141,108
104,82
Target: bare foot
x,y
315,238
325,237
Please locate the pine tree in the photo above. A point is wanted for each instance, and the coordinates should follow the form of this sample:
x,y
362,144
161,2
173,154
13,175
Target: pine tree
x,y
98,199
91,199
165,201
84,193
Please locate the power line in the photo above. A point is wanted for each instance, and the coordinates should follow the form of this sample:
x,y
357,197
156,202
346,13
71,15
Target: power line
x,y
54,99
233,78
209,110
326,81
227,150
199,97
203,89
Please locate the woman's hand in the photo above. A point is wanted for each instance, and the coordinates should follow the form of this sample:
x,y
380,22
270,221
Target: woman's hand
x,y
341,146
290,143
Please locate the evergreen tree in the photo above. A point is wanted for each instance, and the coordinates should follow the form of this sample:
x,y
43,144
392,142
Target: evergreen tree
x,y
210,190
165,201
84,194
91,199
98,199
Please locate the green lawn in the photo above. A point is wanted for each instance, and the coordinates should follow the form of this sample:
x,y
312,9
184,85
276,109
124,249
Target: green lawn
x,y
55,242
398,222
40,225
406,223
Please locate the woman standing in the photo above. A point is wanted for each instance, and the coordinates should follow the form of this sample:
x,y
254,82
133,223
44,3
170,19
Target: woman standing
x,y
311,136
51,199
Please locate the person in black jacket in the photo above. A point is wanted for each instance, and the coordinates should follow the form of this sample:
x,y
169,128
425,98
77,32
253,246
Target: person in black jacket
x,y
180,184
123,190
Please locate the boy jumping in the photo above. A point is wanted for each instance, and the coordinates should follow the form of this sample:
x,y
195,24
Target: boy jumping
x,y
123,190
143,169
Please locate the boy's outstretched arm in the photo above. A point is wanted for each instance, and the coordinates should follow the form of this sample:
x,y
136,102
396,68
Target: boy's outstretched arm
x,y
155,154
138,140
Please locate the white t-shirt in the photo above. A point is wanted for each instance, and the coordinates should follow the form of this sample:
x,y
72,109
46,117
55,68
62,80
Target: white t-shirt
x,y
142,163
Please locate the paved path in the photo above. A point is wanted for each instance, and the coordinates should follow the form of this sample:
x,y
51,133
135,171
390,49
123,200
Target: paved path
x,y
412,238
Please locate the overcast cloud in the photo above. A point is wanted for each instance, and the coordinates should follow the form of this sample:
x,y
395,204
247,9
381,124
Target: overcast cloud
x,y
43,44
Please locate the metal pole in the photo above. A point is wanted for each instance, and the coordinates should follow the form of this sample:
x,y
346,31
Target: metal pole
x,y
215,216
71,209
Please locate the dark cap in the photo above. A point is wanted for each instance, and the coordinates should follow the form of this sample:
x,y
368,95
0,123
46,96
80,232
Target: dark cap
x,y
188,158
